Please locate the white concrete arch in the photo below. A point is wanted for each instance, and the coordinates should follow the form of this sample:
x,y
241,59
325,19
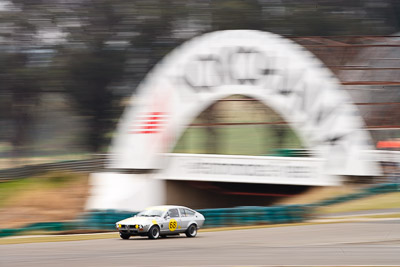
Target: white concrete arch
x,y
274,70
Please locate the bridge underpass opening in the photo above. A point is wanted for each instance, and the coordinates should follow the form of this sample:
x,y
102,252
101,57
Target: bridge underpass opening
x,y
200,195
235,125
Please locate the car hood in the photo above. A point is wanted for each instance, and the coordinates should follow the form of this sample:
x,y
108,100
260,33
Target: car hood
x,y
139,220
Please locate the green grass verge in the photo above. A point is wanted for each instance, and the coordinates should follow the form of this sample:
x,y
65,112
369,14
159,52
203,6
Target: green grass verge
x,y
232,140
9,189
384,201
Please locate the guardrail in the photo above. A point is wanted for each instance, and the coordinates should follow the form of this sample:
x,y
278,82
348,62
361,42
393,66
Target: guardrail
x,y
250,215
105,220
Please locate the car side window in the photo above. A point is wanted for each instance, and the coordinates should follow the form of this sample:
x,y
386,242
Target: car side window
x,y
182,211
173,213
189,213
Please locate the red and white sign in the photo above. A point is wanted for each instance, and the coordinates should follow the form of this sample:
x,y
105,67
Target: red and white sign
x,y
150,123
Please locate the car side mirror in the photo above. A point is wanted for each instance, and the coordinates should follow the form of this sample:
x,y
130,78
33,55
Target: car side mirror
x,y
167,217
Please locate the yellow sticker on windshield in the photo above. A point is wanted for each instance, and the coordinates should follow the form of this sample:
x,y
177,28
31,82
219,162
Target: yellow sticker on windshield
x,y
172,225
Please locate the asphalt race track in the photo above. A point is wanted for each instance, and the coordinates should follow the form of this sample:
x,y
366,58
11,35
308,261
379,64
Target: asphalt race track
x,y
362,243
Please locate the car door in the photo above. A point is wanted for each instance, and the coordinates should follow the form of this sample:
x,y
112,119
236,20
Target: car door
x,y
174,221
187,216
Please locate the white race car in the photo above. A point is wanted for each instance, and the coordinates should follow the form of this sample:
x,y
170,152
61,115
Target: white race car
x,y
160,221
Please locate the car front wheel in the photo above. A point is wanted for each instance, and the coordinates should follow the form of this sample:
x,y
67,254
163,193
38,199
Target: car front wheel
x,y
154,232
124,236
191,231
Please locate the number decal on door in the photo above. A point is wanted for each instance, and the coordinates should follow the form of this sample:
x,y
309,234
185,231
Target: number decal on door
x,y
172,225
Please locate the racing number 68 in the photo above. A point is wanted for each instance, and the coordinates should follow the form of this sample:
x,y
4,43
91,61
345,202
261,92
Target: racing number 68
x,y
172,225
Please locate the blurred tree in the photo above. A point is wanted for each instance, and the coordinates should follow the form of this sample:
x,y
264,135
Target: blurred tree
x,y
91,65
394,14
20,79
98,55
236,14
337,17
99,50
88,82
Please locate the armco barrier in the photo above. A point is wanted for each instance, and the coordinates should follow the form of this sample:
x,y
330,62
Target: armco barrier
x,y
105,220
40,227
238,216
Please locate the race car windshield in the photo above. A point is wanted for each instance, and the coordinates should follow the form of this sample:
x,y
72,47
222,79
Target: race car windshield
x,y
150,213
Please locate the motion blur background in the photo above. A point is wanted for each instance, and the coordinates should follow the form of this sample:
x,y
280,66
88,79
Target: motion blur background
x,y
68,68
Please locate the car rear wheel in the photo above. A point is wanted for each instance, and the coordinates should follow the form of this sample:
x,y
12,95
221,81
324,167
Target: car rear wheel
x,y
124,236
191,231
154,232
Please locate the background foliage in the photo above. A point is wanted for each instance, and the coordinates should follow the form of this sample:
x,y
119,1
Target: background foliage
x,y
87,56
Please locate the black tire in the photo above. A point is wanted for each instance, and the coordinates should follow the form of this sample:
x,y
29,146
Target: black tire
x,y
124,236
191,231
154,232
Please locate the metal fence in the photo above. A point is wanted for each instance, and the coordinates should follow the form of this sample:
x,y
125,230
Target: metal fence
x,y
97,163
